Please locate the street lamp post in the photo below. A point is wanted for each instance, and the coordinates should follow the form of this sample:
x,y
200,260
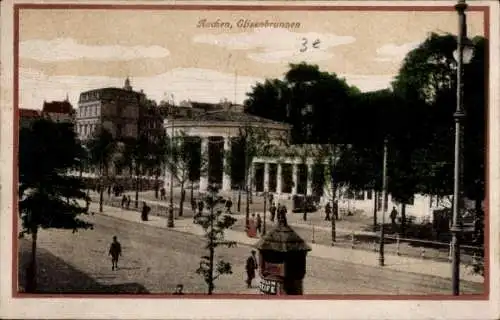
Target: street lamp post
x,y
381,259
463,55
170,220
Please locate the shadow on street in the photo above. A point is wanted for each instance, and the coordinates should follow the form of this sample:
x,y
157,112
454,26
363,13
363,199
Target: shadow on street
x,y
56,276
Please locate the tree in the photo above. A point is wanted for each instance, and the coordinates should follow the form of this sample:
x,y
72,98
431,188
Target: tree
x,y
251,142
214,225
48,194
180,158
427,82
101,149
158,149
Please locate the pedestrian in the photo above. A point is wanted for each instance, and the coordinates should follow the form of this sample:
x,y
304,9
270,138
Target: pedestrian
x,y
157,188
201,206
250,267
393,215
328,211
229,204
87,203
145,211
259,223
124,200
271,198
163,194
272,210
282,215
115,251
179,289
193,205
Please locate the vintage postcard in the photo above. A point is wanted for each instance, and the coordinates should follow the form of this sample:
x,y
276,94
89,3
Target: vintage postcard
x,y
250,159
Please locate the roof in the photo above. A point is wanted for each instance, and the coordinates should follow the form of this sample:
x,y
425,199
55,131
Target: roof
x,y
29,113
58,107
230,116
282,239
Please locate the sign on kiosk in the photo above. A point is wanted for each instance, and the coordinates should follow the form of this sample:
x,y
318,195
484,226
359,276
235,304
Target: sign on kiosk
x,y
268,286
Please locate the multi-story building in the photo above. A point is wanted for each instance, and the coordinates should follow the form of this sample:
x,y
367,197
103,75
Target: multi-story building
x,y
115,109
125,113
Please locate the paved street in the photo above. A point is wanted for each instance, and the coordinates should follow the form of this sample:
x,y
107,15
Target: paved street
x,y
314,228
156,259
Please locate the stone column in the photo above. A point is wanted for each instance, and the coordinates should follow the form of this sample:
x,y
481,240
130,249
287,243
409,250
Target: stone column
x,y
309,179
295,178
251,173
204,157
266,176
226,177
278,178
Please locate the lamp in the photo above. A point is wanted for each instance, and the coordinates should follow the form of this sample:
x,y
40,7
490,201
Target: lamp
x,y
467,51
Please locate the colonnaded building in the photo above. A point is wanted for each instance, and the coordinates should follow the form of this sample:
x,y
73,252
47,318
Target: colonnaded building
x,y
289,170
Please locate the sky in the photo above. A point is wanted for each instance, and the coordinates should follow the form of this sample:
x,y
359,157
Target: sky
x,y
208,56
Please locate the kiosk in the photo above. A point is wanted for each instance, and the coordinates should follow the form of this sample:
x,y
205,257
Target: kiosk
x,y
282,261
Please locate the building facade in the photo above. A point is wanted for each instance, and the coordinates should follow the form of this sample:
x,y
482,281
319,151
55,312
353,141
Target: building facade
x,y
114,109
59,111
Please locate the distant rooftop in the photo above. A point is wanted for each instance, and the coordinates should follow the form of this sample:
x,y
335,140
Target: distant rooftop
x,y
63,107
230,116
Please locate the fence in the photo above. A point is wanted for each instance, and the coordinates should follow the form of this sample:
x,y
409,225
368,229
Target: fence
x,y
393,244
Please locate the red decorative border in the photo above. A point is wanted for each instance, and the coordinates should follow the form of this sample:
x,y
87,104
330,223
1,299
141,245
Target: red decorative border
x,y
186,7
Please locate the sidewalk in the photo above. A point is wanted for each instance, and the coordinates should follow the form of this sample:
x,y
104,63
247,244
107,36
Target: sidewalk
x,y
396,263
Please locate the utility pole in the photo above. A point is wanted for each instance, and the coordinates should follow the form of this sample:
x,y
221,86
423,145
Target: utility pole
x,y
384,206
463,55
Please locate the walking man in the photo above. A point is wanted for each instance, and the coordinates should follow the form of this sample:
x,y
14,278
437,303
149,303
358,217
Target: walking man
x,y
259,223
250,267
273,211
229,204
328,211
394,215
201,206
115,251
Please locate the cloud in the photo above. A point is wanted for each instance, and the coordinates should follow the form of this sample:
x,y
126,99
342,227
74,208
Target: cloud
x,y
61,49
268,45
395,53
192,83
